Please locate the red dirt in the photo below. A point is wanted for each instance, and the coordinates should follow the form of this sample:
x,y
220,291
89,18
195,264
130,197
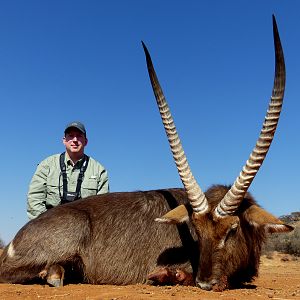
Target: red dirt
x,y
279,279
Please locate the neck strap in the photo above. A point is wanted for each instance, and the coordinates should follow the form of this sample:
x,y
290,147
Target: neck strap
x,y
67,197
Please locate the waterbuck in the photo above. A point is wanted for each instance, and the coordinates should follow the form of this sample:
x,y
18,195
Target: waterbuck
x,y
118,238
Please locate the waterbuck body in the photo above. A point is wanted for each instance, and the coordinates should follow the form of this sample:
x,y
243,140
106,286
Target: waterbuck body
x,y
212,239
113,239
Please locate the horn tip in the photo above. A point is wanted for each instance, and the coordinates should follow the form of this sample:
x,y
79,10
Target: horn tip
x,y
145,48
275,28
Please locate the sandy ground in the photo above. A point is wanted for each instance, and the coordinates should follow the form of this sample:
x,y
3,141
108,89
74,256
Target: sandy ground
x,y
279,279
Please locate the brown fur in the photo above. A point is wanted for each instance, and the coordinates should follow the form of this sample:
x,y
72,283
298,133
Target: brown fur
x,y
113,239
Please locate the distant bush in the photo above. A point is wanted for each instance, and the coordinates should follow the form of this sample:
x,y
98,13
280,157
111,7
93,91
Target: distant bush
x,y
289,219
284,243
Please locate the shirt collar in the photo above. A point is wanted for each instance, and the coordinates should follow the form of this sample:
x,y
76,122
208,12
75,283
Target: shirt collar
x,y
69,162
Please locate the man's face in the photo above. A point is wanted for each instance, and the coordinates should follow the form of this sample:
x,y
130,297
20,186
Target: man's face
x,y
75,141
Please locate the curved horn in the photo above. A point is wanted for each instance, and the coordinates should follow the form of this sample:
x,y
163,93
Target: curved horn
x,y
235,195
196,196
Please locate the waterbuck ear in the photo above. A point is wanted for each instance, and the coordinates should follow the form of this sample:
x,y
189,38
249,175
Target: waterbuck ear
x,y
259,217
175,216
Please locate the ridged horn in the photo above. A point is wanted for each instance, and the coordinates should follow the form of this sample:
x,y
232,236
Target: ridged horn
x,y
235,195
195,194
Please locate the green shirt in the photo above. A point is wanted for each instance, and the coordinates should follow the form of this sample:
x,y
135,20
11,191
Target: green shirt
x,y
47,185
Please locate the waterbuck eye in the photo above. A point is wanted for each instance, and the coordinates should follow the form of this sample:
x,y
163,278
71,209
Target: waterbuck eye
x,y
231,231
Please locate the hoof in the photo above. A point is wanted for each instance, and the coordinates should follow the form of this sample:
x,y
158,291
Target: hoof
x,y
54,275
55,282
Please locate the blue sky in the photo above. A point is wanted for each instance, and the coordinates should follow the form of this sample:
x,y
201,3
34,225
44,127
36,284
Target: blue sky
x,y
83,60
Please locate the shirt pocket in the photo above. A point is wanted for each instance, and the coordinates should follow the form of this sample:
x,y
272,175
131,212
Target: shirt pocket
x,y
89,187
54,188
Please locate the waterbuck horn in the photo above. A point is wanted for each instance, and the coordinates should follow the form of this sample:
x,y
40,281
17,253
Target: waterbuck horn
x,y
195,194
235,195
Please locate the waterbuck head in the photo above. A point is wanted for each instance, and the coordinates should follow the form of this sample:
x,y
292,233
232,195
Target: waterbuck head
x,y
229,224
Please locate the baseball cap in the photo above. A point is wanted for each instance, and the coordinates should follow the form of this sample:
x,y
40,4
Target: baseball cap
x,y
76,124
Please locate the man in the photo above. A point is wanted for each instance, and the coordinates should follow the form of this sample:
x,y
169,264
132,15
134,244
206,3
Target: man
x,y
66,177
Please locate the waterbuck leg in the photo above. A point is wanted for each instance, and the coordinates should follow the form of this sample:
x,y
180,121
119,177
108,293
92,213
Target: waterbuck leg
x,y
171,276
54,275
